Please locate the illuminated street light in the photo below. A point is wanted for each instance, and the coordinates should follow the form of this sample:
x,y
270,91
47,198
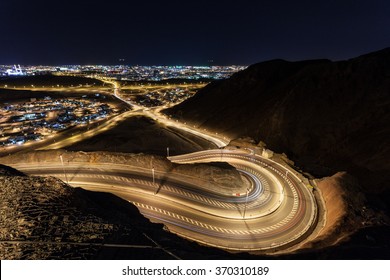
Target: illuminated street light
x,y
63,168
246,201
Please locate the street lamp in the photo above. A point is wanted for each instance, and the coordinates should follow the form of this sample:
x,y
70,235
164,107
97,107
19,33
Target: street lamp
x,y
153,174
246,201
63,168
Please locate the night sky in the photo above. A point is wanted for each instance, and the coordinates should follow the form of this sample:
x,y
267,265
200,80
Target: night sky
x,y
189,32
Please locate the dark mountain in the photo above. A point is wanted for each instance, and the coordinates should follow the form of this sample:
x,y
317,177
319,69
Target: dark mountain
x,y
325,115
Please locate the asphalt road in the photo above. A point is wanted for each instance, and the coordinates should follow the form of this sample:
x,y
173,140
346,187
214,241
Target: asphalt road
x,y
276,211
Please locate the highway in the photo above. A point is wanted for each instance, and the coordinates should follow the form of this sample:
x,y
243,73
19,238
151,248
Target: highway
x,y
276,211
155,114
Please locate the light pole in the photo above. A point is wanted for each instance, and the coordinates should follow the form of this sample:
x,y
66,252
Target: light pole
x,y
252,154
246,201
63,168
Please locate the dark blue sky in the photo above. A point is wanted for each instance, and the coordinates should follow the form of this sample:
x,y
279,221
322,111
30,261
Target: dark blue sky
x,y
189,32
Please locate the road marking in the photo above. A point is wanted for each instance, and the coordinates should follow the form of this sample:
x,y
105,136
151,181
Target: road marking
x,y
270,195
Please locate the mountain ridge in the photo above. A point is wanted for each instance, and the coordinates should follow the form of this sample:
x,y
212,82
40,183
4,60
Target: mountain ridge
x,y
327,116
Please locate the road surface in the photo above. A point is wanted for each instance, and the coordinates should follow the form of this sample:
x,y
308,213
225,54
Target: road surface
x,y
276,211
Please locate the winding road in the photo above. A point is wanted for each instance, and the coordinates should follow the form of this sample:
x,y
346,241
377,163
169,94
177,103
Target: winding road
x,y
278,210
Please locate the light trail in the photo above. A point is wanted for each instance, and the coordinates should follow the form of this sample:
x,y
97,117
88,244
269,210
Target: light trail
x,y
280,210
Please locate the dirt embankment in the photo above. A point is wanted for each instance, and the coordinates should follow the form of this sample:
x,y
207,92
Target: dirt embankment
x,y
345,211
140,134
335,205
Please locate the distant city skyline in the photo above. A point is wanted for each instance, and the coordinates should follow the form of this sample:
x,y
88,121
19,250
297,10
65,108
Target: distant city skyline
x,y
189,33
124,72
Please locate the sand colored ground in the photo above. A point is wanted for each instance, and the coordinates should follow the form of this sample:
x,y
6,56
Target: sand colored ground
x,y
338,204
336,208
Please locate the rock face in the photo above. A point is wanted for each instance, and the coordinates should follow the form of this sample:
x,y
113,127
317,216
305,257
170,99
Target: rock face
x,y
327,116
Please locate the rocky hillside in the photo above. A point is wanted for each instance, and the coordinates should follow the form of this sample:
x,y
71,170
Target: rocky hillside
x,y
326,116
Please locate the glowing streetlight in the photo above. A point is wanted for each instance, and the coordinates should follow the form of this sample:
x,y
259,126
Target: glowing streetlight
x,y
246,201
63,168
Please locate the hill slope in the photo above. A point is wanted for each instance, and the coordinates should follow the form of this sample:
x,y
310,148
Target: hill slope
x,y
327,116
